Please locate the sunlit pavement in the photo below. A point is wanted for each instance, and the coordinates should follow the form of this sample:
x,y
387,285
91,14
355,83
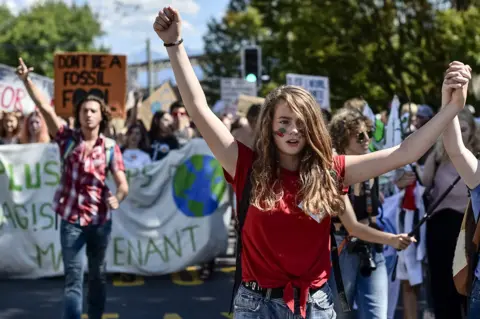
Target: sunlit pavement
x,y
178,296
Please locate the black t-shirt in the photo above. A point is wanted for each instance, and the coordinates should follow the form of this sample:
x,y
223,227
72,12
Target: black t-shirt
x,y
162,146
361,203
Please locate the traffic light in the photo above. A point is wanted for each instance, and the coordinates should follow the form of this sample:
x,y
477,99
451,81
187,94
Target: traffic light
x,y
252,64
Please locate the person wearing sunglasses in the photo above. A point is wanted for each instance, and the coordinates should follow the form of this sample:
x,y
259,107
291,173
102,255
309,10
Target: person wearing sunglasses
x,y
362,263
181,122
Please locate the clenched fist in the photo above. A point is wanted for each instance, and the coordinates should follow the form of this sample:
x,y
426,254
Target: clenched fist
x,y
167,25
113,202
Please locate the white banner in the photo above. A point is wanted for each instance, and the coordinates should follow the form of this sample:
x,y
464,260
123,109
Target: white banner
x,y
318,86
175,215
14,97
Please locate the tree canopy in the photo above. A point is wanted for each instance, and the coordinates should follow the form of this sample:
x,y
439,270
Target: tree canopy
x,y
37,33
369,48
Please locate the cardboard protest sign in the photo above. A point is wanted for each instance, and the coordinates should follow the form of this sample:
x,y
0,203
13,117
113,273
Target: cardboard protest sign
x,y
245,101
160,100
80,74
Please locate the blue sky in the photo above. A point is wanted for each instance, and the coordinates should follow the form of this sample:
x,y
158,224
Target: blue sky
x,y
127,27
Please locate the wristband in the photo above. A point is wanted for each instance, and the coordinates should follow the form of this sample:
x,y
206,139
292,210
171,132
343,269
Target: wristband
x,y
174,43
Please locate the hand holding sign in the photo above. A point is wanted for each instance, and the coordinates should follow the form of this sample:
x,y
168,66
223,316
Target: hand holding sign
x,y
167,25
22,70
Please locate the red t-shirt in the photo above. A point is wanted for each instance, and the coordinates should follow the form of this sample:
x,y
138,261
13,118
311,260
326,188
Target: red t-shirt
x,y
284,247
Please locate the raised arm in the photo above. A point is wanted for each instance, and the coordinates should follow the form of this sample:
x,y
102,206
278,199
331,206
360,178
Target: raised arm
x,y
462,158
48,112
363,167
168,27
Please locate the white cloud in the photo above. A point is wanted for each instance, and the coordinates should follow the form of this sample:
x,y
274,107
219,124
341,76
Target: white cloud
x,y
127,23
132,16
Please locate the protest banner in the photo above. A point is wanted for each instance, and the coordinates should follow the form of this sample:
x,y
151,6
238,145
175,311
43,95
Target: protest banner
x,y
176,213
318,86
80,74
13,95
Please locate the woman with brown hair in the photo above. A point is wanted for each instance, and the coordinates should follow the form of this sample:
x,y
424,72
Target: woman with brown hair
x,y
297,185
34,129
362,262
443,228
9,128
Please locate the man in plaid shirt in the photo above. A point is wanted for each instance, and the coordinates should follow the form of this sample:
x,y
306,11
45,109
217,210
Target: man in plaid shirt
x,y
83,199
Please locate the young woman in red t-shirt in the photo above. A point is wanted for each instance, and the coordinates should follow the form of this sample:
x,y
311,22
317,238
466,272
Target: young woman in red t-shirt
x,y
296,179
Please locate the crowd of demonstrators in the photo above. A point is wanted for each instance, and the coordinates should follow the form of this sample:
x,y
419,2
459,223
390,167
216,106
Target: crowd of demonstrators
x,y
297,185
307,169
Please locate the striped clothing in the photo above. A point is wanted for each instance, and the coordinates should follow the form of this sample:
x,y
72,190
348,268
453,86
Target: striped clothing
x,y
82,195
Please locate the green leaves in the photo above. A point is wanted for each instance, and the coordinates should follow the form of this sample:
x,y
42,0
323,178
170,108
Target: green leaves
x,y
369,48
42,30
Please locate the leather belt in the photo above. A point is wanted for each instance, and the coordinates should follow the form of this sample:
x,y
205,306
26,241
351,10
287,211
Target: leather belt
x,y
273,293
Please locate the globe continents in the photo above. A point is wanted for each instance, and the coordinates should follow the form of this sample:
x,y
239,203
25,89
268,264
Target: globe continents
x,y
198,186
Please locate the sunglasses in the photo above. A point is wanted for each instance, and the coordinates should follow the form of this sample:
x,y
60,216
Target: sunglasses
x,y
362,136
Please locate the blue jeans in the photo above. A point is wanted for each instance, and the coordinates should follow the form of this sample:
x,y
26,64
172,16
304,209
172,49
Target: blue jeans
x,y
251,305
73,239
474,301
369,293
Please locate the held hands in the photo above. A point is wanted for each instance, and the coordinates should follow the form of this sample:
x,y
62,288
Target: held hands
x,y
22,70
112,202
455,84
168,25
401,241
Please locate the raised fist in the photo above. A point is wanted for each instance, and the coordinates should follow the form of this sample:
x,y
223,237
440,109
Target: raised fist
x,y
167,25
22,70
455,84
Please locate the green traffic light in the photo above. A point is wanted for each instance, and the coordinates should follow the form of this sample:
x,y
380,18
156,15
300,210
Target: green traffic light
x,y
251,78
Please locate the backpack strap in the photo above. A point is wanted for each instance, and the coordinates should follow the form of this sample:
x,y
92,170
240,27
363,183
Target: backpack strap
x,y
69,146
240,219
109,151
337,273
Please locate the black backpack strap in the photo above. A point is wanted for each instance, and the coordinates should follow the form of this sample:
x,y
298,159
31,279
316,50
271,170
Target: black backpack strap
x,y
342,296
241,216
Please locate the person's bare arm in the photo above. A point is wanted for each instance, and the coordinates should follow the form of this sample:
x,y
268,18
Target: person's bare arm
x,y
367,233
221,142
48,112
462,158
363,167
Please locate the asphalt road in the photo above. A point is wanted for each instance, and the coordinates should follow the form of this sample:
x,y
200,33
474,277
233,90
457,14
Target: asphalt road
x,y
177,296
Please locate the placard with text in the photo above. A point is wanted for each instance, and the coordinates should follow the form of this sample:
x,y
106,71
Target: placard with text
x,y
80,74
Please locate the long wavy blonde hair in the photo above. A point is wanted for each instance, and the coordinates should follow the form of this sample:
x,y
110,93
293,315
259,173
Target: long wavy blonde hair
x,y
318,189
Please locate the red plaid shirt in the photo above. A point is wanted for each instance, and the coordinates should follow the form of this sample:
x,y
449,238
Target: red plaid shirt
x,y
81,197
